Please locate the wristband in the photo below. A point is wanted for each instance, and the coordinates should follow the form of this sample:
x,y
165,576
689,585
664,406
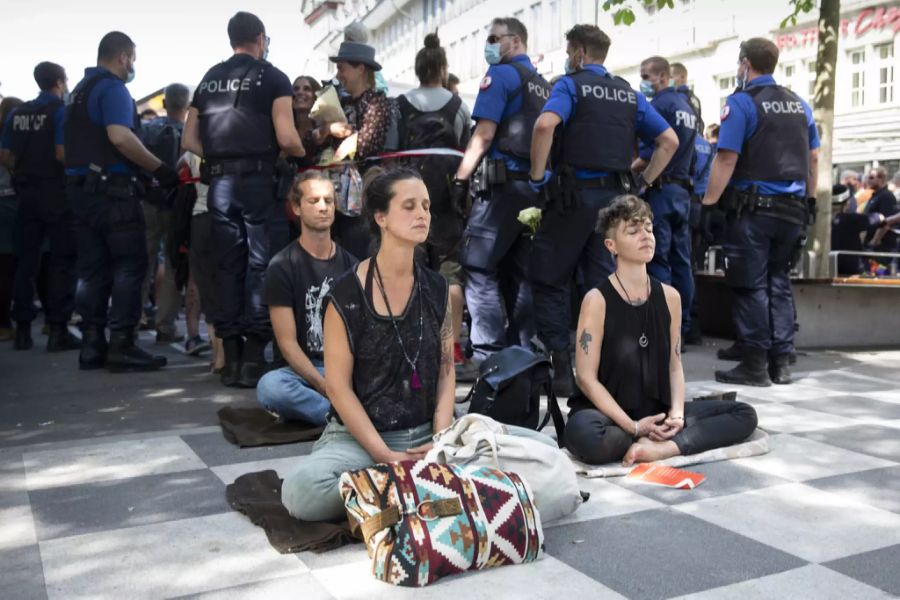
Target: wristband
x,y
637,429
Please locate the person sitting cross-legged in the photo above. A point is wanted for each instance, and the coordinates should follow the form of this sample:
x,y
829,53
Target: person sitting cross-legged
x,y
628,362
388,354
298,281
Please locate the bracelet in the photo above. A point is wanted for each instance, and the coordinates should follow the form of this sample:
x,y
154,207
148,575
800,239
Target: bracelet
x,y
677,418
637,429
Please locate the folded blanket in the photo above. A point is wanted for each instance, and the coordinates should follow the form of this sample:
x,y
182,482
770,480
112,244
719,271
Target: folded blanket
x,y
246,427
258,495
756,444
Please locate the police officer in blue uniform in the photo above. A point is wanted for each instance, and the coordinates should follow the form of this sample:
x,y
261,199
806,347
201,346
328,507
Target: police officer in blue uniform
x,y
104,159
670,196
239,119
33,144
679,82
767,161
494,250
593,105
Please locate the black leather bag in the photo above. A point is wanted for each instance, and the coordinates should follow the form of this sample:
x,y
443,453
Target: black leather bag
x,y
509,388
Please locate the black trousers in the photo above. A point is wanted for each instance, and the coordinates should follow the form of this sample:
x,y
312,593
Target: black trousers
x,y
112,258
247,223
44,215
595,439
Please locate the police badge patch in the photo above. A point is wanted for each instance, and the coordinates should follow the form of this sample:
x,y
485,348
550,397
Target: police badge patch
x,y
726,110
486,82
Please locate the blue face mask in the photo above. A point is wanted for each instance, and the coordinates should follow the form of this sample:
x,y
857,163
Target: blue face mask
x,y
265,54
66,96
647,88
130,77
571,69
492,53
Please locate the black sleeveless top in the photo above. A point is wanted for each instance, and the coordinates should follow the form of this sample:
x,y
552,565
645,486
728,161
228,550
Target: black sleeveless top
x,y
382,379
637,378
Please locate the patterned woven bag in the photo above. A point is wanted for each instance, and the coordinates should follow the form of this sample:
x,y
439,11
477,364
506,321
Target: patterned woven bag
x,y
422,521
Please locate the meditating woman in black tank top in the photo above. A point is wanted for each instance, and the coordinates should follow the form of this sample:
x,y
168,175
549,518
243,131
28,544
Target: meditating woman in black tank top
x,y
628,361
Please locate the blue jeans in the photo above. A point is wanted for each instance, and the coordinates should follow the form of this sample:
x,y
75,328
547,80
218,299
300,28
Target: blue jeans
x,y
671,205
291,397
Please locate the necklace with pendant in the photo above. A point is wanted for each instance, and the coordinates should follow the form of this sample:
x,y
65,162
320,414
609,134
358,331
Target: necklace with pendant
x,y
643,342
415,382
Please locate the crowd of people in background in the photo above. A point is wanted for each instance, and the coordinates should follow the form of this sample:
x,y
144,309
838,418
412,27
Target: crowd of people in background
x,y
238,204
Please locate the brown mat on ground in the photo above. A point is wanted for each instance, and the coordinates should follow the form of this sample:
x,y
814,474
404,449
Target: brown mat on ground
x,y
258,495
246,427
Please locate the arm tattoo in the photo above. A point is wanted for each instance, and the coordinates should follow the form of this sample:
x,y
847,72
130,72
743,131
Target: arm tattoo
x,y
585,340
447,325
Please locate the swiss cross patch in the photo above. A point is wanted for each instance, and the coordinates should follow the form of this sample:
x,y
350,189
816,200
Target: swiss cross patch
x,y
486,82
726,110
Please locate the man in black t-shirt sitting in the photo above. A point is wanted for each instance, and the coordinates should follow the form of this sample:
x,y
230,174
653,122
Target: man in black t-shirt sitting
x,y
298,281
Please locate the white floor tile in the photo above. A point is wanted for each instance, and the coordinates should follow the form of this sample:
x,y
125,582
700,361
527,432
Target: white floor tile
x,y
16,527
163,560
547,578
814,525
812,582
607,500
283,466
892,396
787,418
108,461
800,459
303,586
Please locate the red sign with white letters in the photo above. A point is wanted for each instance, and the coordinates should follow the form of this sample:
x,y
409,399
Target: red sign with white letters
x,y
868,19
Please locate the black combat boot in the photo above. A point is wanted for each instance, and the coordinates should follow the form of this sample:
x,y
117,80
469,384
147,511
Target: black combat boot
x,y
733,352
23,336
233,347
750,371
60,340
778,369
563,379
124,355
253,362
93,348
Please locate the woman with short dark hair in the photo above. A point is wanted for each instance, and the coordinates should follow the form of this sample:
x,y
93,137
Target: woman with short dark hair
x,y
628,362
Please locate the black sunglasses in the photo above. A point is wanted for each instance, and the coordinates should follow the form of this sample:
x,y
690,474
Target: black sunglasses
x,y
493,39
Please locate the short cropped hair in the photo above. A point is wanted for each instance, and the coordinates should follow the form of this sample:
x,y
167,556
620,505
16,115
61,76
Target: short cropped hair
x,y
514,26
591,38
762,54
46,74
678,70
626,208
113,44
657,64
177,96
244,28
296,196
452,79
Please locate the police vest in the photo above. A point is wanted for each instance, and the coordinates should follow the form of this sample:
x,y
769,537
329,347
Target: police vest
x,y
514,132
33,142
600,133
233,124
779,148
85,142
694,101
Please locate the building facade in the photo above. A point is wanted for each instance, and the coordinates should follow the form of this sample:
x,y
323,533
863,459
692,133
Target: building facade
x,y
704,35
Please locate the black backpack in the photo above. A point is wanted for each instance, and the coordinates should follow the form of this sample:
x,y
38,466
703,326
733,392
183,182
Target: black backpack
x,y
419,130
163,139
509,388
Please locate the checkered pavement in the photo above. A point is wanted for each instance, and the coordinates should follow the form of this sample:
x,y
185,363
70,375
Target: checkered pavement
x,y
144,516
